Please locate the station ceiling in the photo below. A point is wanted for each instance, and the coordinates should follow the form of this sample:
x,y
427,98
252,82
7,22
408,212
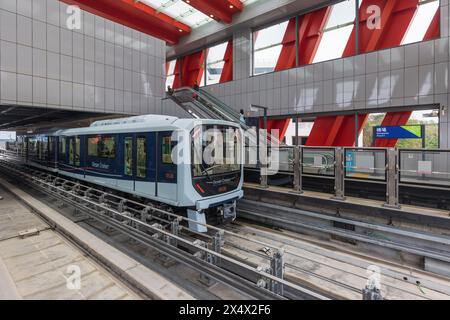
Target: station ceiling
x,y
168,20
34,119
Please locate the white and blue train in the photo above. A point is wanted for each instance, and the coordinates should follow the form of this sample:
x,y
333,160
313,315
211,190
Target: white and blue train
x,y
134,155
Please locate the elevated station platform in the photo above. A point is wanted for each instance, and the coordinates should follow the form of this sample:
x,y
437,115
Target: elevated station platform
x,y
40,249
36,262
420,218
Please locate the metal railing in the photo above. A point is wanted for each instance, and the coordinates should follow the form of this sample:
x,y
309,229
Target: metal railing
x,y
389,166
168,233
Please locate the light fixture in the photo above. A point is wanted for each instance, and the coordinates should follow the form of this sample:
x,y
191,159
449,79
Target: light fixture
x,y
231,6
180,30
211,15
188,1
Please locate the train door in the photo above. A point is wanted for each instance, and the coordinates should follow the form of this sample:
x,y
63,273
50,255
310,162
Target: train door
x,y
144,164
62,153
75,155
129,159
167,170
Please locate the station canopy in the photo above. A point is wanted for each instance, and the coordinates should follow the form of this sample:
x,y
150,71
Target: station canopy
x,y
196,13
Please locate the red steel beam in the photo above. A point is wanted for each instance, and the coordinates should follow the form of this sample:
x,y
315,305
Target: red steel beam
x,y
286,59
336,131
278,124
333,132
433,31
310,33
227,72
177,74
219,10
136,15
192,68
396,17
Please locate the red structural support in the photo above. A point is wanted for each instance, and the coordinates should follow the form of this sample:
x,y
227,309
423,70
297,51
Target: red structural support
x,y
279,124
396,17
136,15
310,33
336,131
192,68
227,72
433,31
393,119
220,10
287,55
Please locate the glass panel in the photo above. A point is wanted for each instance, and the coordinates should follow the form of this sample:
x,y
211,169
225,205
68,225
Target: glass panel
x,y
62,147
102,147
425,167
215,63
166,150
336,33
128,156
421,21
93,146
141,168
333,44
107,147
410,21
365,164
267,47
225,156
342,13
170,74
77,152
71,151
180,11
285,158
266,60
318,162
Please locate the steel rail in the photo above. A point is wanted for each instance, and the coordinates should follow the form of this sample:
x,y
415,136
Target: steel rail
x,y
265,211
67,190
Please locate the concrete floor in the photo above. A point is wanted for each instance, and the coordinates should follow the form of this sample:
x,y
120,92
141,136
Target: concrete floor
x,y
41,266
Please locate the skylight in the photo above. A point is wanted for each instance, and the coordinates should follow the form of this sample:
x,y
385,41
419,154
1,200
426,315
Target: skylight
x,y
179,10
183,12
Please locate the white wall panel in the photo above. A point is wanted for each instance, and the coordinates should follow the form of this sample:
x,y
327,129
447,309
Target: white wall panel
x,y
72,68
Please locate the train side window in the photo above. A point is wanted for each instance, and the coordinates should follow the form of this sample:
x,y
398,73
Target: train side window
x,y
102,147
62,147
77,151
50,144
141,167
128,156
71,152
93,147
166,151
74,151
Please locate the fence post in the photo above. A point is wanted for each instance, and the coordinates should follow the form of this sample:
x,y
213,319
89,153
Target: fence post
x,y
264,161
298,169
339,182
392,189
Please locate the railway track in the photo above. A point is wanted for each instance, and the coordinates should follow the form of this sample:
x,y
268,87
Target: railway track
x,y
241,255
331,268
168,233
369,235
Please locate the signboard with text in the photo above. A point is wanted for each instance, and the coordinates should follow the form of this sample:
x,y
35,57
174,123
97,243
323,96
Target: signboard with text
x,y
399,132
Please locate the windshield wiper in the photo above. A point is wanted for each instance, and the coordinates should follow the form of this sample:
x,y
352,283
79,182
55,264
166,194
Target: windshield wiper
x,y
210,168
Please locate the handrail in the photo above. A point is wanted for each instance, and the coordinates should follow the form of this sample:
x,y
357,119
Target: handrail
x,y
220,107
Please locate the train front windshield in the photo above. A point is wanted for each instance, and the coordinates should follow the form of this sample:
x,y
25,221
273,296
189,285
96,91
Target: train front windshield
x,y
216,150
